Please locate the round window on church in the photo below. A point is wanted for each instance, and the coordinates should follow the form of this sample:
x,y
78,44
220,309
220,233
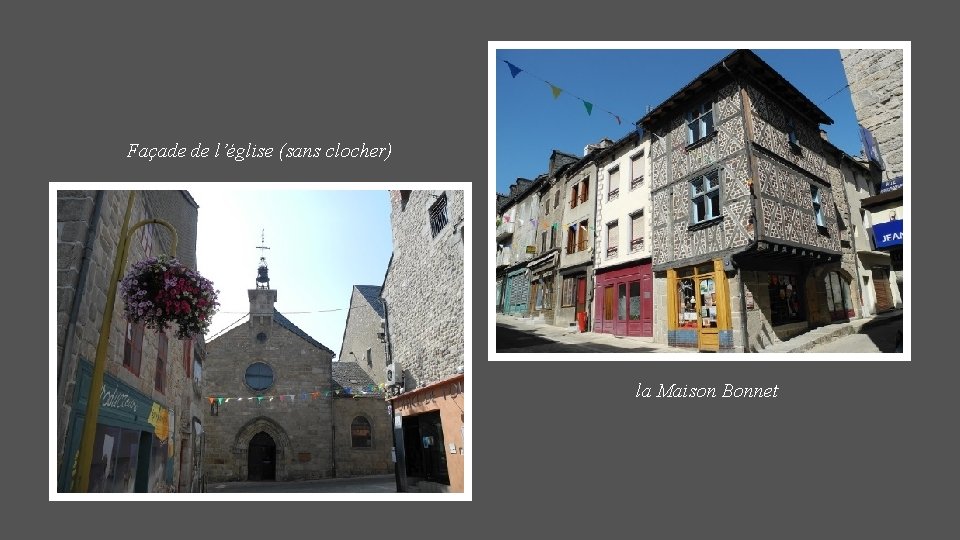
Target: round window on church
x,y
259,376
262,337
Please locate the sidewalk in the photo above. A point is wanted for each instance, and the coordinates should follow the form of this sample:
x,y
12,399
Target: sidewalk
x,y
587,340
610,343
831,332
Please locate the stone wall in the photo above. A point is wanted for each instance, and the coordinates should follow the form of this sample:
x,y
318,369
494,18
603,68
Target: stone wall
x,y
376,459
301,428
876,88
660,311
360,334
74,216
423,288
180,210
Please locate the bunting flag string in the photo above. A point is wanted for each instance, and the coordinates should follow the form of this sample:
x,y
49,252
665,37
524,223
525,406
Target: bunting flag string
x,y
556,91
305,397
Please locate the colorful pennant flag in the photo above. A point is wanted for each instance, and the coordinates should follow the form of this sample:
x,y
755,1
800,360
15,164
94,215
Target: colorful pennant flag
x,y
556,91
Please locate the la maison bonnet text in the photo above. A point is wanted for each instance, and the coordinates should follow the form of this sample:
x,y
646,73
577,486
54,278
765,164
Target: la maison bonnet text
x,y
728,391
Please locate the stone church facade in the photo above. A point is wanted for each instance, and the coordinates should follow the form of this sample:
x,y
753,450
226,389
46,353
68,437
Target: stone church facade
x,y
276,411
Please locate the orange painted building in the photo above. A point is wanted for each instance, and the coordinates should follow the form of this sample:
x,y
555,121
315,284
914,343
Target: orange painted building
x,y
432,422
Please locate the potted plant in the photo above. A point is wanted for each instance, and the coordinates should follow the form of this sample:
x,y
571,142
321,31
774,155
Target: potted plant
x,y
161,290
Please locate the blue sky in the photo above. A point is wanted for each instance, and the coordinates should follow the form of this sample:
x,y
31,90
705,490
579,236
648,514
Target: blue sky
x,y
321,244
531,123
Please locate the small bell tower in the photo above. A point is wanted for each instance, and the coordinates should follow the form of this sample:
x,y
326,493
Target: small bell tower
x,y
262,297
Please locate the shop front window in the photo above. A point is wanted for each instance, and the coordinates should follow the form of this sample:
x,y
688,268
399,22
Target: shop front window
x,y
786,304
114,466
838,297
708,303
622,302
687,308
634,300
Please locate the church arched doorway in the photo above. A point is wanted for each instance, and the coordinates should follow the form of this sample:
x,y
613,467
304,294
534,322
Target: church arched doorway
x,y
262,458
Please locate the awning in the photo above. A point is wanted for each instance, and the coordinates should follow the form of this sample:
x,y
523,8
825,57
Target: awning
x,y
550,258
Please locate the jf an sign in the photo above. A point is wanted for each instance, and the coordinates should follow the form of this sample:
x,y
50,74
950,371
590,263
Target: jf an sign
x,y
889,233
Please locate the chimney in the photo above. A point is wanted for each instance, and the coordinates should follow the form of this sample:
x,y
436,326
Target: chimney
x,y
603,143
823,135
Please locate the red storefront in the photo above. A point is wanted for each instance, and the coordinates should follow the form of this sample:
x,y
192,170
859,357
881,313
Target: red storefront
x,y
623,300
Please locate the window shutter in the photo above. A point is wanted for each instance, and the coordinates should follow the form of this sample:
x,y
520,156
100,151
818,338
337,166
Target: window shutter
x,y
637,226
612,233
637,167
614,180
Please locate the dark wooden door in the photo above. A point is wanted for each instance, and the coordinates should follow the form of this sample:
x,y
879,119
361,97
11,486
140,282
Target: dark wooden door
x,y
881,285
262,458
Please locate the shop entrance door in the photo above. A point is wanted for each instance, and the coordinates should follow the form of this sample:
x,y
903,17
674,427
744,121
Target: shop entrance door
x,y
709,339
424,448
881,285
581,294
609,308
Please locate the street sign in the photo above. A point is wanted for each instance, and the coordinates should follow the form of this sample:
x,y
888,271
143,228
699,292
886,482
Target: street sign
x,y
888,234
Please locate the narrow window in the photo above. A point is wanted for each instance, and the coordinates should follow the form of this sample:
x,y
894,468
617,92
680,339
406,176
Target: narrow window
x,y
638,170
700,122
612,239
614,190
817,208
360,433
133,347
637,230
582,236
705,197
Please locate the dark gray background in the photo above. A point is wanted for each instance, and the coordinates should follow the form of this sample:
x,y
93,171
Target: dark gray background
x,y
848,450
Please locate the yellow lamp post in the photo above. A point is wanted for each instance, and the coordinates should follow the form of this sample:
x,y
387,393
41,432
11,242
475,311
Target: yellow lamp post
x,y
82,483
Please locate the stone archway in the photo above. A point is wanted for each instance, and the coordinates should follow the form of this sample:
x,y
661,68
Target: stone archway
x,y
246,434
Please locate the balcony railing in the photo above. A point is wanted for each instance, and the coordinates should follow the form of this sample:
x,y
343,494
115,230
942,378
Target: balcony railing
x,y
582,245
636,182
611,252
636,245
613,194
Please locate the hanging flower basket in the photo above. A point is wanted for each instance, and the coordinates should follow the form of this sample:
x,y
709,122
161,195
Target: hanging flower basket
x,y
161,290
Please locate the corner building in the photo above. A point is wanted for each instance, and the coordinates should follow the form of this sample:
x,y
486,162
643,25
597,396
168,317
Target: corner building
x,y
747,242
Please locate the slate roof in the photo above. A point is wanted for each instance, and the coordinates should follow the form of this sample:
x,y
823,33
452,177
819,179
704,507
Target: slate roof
x,y
285,322
372,294
744,62
350,375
